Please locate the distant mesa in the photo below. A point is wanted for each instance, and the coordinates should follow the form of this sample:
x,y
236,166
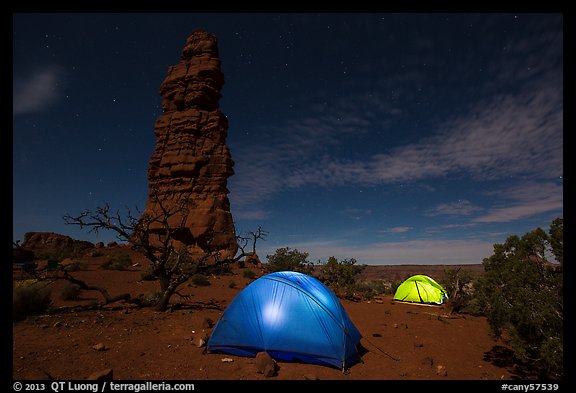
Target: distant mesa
x,y
191,159
51,245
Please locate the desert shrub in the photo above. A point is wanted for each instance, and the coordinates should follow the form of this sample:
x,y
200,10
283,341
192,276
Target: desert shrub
x,y
200,280
521,295
148,274
119,262
222,269
149,298
340,276
285,259
95,253
30,299
248,274
394,285
74,249
458,284
556,239
232,284
367,289
76,265
70,292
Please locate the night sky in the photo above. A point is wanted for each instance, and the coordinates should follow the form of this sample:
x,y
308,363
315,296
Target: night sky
x,y
388,138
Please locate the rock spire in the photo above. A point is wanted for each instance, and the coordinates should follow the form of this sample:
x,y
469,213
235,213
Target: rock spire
x,y
191,161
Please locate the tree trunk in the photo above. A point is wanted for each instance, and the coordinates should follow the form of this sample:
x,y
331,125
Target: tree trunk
x,y
164,280
169,290
164,301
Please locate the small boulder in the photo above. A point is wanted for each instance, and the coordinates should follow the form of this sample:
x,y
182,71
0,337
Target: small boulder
x,y
201,342
427,361
100,347
207,323
441,370
103,375
266,365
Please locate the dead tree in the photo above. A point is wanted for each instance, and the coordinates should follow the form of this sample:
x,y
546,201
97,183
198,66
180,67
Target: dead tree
x,y
108,299
155,235
243,241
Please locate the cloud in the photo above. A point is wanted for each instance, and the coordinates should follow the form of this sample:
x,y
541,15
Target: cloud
x,y
512,202
449,252
397,230
443,228
523,201
254,181
515,131
284,150
35,92
507,135
254,215
461,207
357,214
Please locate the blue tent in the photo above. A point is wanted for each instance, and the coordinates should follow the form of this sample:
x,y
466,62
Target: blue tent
x,y
292,317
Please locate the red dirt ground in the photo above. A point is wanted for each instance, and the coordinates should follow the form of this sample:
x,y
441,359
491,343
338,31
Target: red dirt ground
x,y
401,341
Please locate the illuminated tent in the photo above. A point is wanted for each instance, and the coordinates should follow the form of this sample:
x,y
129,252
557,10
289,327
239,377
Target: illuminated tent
x,y
291,316
421,289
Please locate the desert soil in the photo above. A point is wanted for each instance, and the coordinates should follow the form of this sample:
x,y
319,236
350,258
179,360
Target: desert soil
x,y
400,341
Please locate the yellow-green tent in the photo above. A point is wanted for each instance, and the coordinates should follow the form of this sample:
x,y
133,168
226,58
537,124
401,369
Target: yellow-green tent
x,y
421,289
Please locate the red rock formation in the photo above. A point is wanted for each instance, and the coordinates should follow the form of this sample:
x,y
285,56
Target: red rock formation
x,y
53,245
191,159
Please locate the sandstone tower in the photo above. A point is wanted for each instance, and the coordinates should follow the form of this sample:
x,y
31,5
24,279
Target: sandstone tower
x,y
191,158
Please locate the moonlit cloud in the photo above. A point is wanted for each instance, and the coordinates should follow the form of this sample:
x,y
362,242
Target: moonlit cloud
x,y
274,164
507,135
35,92
449,252
456,208
523,201
254,181
356,213
397,229
253,214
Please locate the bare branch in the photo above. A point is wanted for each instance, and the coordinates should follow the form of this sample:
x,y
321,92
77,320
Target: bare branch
x,y
104,292
155,234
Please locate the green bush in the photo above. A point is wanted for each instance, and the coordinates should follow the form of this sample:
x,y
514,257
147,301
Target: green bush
x,y
70,292
76,265
200,280
458,284
30,299
368,289
119,262
221,269
148,274
394,286
248,274
521,294
285,259
149,298
340,276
